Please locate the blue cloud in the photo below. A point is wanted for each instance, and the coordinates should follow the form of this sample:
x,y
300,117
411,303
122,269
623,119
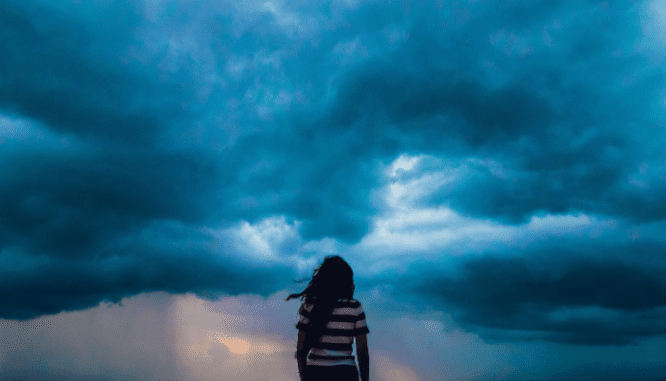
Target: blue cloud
x,y
563,290
207,114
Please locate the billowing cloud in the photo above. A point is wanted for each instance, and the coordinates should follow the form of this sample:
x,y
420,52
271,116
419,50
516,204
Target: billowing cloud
x,y
500,87
501,163
563,291
164,256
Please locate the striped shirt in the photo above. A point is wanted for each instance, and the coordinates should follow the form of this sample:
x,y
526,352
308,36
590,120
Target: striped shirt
x,y
334,347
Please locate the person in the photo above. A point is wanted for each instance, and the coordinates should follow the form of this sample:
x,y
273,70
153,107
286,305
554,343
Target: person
x,y
329,321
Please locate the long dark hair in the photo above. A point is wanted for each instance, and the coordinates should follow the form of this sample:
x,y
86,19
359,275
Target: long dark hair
x,y
332,280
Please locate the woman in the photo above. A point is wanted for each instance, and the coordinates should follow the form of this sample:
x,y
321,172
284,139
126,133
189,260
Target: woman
x,y
330,318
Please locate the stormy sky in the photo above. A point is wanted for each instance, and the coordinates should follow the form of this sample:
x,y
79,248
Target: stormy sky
x,y
493,171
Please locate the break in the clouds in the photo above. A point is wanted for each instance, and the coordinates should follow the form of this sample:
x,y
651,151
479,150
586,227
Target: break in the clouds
x,y
503,162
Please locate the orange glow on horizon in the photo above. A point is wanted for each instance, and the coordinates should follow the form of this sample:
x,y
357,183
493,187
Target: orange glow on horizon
x,y
235,345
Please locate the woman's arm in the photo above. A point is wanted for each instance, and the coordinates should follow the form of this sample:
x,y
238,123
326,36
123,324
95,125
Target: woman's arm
x,y
301,355
363,357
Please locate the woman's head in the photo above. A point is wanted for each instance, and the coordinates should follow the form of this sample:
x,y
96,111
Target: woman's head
x,y
333,279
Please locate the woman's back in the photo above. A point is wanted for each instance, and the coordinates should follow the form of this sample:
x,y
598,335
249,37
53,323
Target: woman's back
x,y
334,346
329,320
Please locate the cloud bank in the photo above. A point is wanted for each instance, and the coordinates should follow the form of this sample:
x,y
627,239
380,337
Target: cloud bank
x,y
500,162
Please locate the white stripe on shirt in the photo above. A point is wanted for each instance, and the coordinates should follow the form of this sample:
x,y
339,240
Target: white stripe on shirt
x,y
336,339
340,325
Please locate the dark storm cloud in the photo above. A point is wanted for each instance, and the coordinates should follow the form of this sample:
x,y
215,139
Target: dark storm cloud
x,y
67,65
110,152
68,201
163,257
557,112
206,114
80,76
573,292
321,183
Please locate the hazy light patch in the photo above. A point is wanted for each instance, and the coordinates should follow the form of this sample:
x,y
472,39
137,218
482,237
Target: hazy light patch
x,y
654,25
395,35
496,168
285,19
388,233
264,239
304,266
179,48
407,185
649,175
323,246
350,52
389,369
17,129
268,96
403,195
421,342
162,336
170,46
441,228
407,227
235,338
241,346
152,9
311,253
416,217
24,130
654,231
404,162
274,241
638,183
408,230
236,66
271,59
236,345
569,225
559,223
109,341
349,4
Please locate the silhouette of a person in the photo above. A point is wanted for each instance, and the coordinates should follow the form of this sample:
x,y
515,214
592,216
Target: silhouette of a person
x,y
329,321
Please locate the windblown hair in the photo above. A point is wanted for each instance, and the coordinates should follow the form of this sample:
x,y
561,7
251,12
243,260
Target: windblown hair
x,y
332,280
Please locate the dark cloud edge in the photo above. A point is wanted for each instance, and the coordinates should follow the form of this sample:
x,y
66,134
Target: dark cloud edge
x,y
506,296
67,285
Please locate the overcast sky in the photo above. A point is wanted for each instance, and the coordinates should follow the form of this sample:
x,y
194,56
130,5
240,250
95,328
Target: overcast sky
x,y
493,171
